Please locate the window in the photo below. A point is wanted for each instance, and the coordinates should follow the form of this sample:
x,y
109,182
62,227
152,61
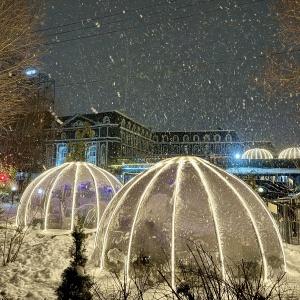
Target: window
x,y
217,138
61,153
175,149
165,138
155,138
228,138
91,154
78,123
196,138
106,120
186,138
196,149
206,138
165,150
175,138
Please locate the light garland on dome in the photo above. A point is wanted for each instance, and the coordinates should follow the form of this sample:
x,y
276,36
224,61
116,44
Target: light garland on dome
x,y
290,153
257,153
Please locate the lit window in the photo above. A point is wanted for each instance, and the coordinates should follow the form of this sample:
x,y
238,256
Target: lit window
x,y
91,154
61,154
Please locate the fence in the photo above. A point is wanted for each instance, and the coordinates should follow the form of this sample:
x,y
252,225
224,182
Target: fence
x,y
287,215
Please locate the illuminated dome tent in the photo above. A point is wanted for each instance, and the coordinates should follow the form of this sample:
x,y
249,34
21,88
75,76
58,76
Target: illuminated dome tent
x,y
257,153
62,195
186,199
290,153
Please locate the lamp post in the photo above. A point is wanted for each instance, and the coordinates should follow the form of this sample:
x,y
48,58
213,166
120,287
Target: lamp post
x,y
14,189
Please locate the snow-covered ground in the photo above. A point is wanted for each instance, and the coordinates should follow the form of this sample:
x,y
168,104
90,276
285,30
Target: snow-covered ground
x,y
37,271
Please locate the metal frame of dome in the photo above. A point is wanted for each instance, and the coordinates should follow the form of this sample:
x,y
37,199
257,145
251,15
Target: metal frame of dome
x,y
290,153
199,166
257,153
51,177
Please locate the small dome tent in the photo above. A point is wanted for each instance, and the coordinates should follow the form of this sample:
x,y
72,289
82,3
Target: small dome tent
x,y
290,153
187,198
257,153
61,195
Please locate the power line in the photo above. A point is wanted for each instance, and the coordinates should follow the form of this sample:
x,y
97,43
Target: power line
x,y
103,17
188,65
145,24
109,23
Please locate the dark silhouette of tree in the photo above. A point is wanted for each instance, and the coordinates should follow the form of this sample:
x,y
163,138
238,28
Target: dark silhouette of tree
x,y
282,70
75,283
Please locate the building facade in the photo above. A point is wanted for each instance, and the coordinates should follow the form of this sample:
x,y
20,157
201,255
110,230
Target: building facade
x,y
115,138
201,143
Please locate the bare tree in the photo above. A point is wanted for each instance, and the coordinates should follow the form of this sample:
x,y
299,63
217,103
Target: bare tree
x,y
282,71
18,51
23,143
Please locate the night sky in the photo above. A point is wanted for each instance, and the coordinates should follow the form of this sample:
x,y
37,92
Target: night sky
x,y
170,64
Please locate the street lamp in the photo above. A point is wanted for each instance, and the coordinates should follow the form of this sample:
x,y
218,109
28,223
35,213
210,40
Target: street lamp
x,y
14,189
31,72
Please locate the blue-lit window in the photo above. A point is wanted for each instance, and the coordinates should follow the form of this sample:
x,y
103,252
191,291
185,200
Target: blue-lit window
x,y
91,154
61,154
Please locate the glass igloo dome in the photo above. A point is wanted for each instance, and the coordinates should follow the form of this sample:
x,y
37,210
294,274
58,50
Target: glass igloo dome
x,y
290,153
60,196
257,153
187,199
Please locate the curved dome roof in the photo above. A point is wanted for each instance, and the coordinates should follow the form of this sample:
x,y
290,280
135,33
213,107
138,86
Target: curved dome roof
x,y
61,195
257,153
182,199
290,153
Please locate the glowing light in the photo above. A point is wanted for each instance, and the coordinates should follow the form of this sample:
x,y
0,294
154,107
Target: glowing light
x,y
4,177
175,196
74,194
40,191
260,190
237,156
31,72
211,202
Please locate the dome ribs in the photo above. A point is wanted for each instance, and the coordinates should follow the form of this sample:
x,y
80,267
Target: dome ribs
x,y
213,213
